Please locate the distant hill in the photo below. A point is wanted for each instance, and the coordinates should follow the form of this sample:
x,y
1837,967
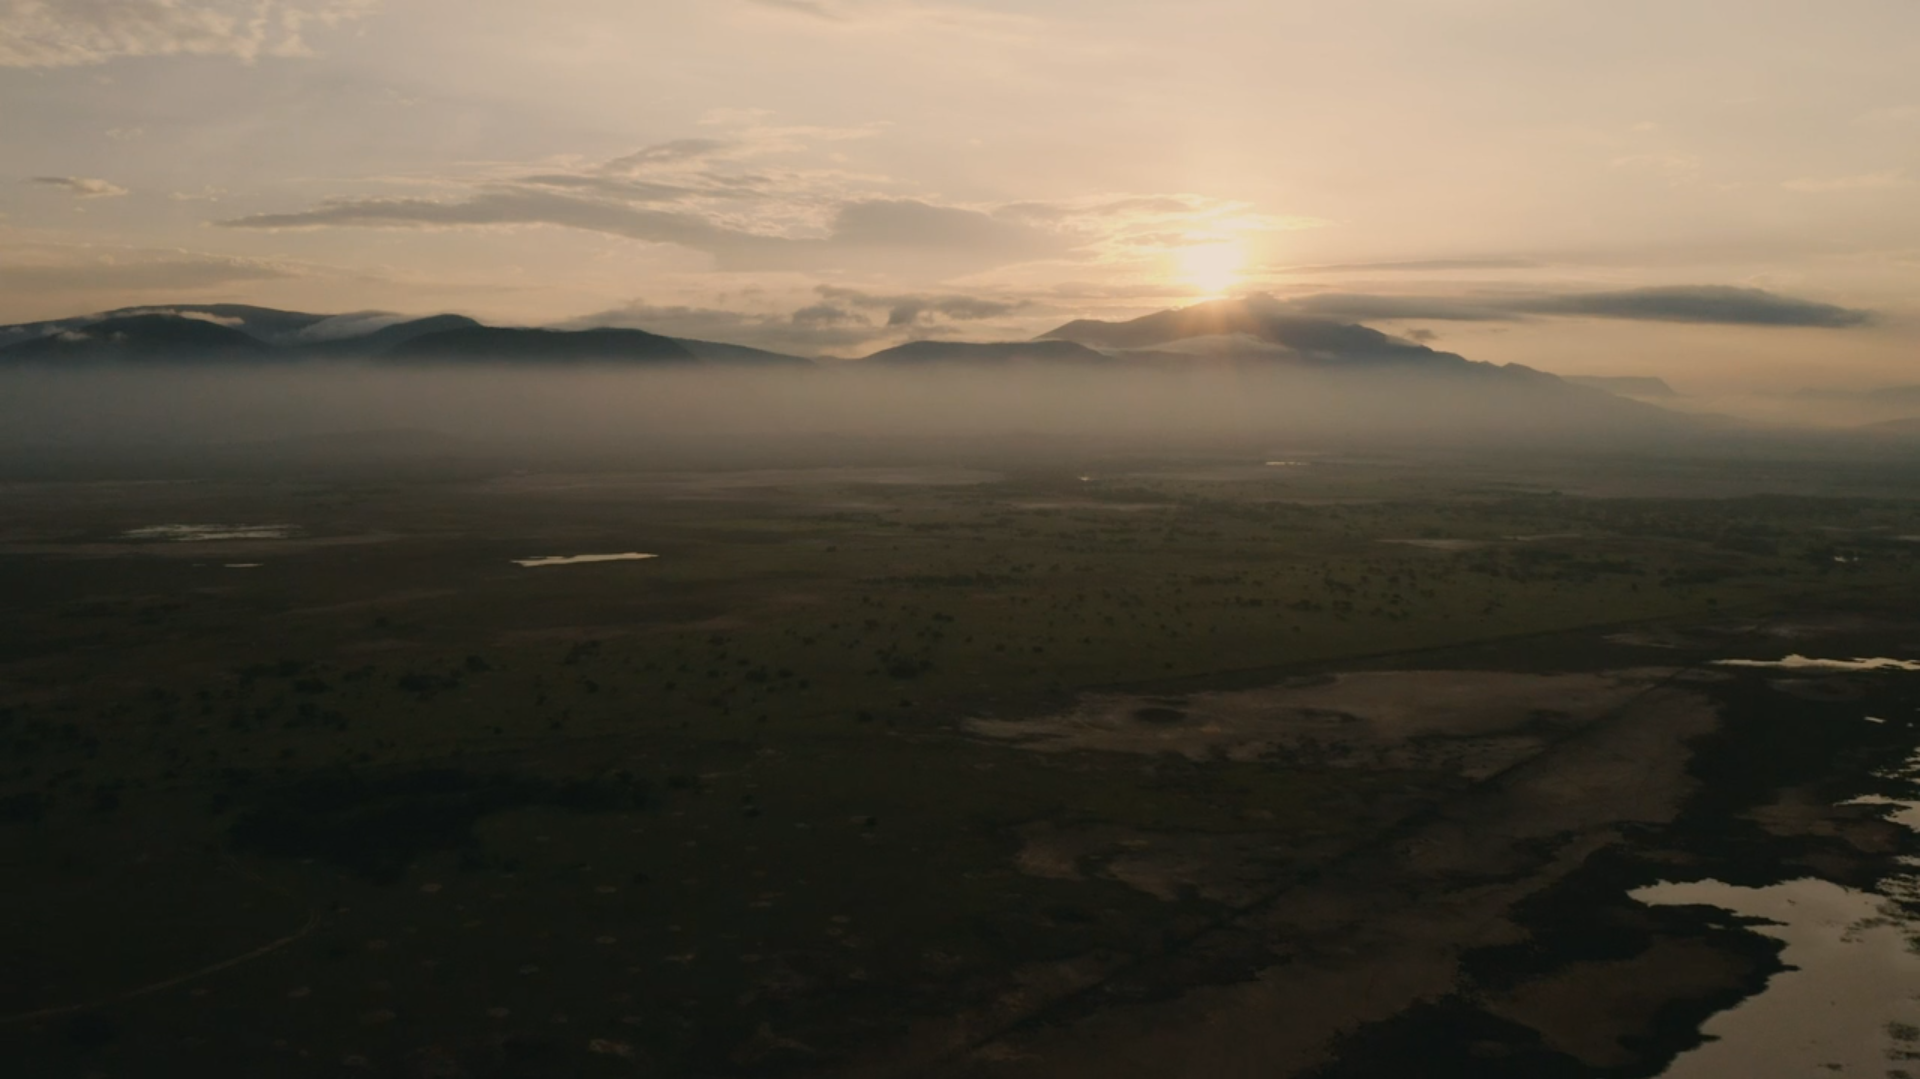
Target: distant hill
x,y
716,352
383,340
138,337
1886,395
1300,339
541,346
267,324
202,331
1642,387
1005,352
1905,427
1328,370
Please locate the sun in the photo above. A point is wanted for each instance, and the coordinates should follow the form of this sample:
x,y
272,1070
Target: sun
x,y
1211,268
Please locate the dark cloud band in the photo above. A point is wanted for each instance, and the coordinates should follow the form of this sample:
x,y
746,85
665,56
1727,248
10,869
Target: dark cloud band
x,y
1714,304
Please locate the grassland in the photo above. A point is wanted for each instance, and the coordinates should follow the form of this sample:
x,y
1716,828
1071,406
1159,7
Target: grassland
x,y
373,798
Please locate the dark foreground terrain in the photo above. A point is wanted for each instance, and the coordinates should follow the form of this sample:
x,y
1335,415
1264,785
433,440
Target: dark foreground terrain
x,y
1321,766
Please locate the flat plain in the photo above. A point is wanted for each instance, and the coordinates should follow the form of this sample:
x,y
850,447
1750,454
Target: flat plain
x,y
1126,766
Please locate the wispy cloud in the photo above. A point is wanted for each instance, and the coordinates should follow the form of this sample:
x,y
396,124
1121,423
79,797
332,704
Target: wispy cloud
x,y
1869,181
1676,169
757,195
912,16
82,186
1414,266
913,310
1715,304
814,8
830,320
799,332
71,33
123,272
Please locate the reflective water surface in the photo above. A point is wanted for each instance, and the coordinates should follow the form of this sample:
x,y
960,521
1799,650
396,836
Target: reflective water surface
x,y
576,559
1849,1004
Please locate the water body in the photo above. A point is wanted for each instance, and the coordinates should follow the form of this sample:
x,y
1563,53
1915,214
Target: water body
x,y
180,533
1849,1002
1804,663
1441,544
577,559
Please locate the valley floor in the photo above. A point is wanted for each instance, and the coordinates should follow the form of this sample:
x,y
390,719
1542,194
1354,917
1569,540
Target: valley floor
x,y
1342,767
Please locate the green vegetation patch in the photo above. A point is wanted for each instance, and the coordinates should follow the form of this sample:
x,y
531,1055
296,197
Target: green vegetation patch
x,y
376,826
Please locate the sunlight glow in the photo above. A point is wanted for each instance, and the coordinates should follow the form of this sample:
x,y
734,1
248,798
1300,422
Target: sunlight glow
x,y
1211,268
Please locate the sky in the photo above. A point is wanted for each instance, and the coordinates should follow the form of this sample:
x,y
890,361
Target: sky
x,y
1725,194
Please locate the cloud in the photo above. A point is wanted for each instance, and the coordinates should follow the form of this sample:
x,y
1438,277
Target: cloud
x,y
1676,169
916,229
1717,304
1702,303
805,7
1871,181
904,311
232,322
152,275
508,206
826,314
1367,307
739,199
757,195
913,223
670,153
81,186
841,321
736,195
897,16
812,330
71,33
1416,266
144,273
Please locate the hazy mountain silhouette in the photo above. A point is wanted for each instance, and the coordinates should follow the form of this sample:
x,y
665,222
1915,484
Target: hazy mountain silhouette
x,y
541,346
1905,427
268,324
138,337
192,331
1886,395
1004,352
1255,332
1642,387
719,352
264,324
386,338
1262,319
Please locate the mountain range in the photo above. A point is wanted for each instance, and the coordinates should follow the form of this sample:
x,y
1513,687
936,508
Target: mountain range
x,y
1250,332
1243,329
227,332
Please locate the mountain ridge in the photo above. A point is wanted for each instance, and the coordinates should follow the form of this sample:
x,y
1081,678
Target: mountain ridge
x,y
1252,332
1301,339
922,353
539,346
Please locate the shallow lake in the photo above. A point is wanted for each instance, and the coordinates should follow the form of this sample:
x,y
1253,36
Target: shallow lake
x,y
183,533
1805,663
577,559
1849,1002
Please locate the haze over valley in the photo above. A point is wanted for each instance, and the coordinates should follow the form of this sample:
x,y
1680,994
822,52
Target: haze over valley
x,y
959,539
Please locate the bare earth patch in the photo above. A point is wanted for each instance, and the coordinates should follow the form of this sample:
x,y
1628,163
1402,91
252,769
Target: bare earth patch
x,y
1473,723
1386,929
